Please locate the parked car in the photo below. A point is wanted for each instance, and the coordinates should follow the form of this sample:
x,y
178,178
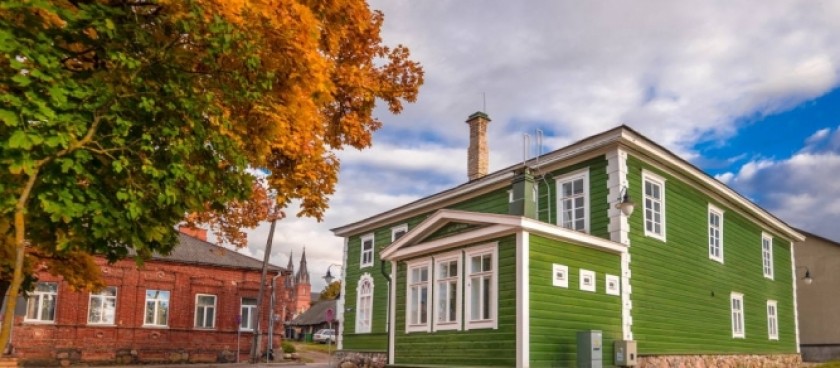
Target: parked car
x,y
324,336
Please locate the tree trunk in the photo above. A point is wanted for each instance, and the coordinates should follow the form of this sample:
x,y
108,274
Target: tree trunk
x,y
255,345
17,279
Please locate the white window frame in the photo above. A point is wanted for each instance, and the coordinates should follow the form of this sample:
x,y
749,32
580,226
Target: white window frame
x,y
715,233
448,281
587,275
205,308
396,230
737,315
612,283
364,304
654,179
158,301
767,255
363,262
492,320
560,275
102,314
42,297
411,285
247,324
572,176
772,320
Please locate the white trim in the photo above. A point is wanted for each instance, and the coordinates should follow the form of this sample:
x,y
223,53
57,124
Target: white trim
x,y
719,213
215,312
619,226
626,302
396,229
493,320
251,309
419,327
523,296
433,300
623,137
582,174
764,270
168,308
340,304
410,245
772,335
392,307
614,280
660,181
361,328
709,185
795,301
367,237
563,270
587,275
740,317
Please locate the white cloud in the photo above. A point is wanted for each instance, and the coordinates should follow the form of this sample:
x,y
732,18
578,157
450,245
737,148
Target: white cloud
x,y
677,73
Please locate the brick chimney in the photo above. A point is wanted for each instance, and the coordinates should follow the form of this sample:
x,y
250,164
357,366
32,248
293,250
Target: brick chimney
x,y
195,232
478,154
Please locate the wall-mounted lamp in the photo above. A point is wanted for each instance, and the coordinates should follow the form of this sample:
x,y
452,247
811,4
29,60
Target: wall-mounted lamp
x,y
808,280
624,203
329,277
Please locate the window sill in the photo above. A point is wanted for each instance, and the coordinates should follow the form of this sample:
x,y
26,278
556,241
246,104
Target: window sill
x,y
718,260
477,325
111,325
417,328
159,327
451,326
38,322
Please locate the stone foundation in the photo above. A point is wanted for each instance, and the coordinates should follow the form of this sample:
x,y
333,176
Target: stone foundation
x,y
360,359
720,361
820,353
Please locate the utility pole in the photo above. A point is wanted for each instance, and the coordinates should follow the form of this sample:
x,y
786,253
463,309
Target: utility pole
x,y
255,345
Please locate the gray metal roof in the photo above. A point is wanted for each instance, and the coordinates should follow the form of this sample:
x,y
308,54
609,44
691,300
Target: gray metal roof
x,y
315,315
196,251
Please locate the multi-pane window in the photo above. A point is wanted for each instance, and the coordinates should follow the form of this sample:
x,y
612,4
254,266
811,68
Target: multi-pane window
x,y
654,197
398,231
418,297
248,314
157,308
715,233
481,287
205,311
767,255
40,307
772,321
573,201
103,307
447,298
364,304
737,305
367,251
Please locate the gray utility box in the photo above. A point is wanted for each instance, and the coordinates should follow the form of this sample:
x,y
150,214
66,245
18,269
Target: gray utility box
x,y
625,353
589,349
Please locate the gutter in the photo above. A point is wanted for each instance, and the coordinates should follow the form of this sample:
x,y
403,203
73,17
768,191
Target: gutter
x,y
388,279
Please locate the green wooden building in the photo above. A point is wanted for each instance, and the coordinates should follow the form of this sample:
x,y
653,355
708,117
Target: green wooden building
x,y
506,269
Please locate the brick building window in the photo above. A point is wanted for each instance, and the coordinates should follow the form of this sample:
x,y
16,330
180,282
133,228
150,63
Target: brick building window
x,y
40,307
205,311
157,308
103,307
248,314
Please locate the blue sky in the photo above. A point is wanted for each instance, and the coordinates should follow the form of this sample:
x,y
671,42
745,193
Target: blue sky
x,y
748,93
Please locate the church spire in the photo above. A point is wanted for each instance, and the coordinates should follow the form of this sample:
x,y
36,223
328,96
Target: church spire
x,y
290,281
303,274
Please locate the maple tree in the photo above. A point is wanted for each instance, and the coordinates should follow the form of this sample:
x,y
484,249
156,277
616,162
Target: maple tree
x,y
331,291
118,117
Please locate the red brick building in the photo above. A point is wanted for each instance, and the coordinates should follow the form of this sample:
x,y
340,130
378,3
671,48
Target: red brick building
x,y
195,305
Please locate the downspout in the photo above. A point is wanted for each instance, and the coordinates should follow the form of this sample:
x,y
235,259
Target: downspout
x,y
388,306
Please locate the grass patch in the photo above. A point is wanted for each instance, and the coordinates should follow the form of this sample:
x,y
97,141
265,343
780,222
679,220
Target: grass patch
x,y
829,365
313,346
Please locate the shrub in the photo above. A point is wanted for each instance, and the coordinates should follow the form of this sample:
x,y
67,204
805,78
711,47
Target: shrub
x,y
288,348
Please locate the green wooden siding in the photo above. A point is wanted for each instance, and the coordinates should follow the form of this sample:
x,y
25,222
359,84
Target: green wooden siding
x,y
557,314
681,298
481,347
598,204
492,202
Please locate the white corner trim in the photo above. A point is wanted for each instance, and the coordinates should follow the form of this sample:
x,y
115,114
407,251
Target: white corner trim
x,y
619,226
626,302
341,301
795,302
392,305
523,294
